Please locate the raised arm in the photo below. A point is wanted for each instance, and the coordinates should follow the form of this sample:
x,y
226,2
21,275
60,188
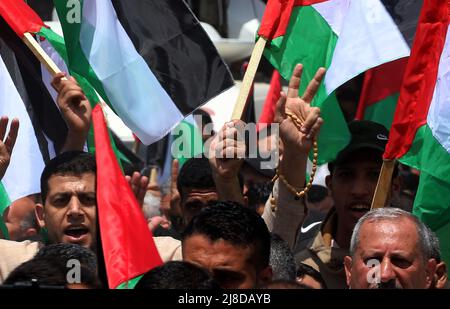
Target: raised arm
x,y
226,154
76,110
297,144
6,146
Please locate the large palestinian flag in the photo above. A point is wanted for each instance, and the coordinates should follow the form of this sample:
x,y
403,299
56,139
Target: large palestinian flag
x,y
420,133
150,60
127,243
347,37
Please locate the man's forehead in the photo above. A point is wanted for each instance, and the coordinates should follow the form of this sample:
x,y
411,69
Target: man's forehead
x,y
82,180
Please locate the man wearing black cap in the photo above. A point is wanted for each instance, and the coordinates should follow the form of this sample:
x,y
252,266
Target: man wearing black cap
x,y
352,180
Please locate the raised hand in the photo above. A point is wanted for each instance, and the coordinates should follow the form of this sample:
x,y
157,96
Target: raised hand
x,y
76,110
6,146
226,154
227,150
138,184
293,139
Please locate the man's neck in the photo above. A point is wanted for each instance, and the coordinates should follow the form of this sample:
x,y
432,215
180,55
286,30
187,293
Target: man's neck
x,y
343,235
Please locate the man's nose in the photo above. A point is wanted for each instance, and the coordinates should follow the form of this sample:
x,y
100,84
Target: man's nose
x,y
359,187
74,207
387,272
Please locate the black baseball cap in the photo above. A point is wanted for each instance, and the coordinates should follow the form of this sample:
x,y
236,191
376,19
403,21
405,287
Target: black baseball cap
x,y
364,134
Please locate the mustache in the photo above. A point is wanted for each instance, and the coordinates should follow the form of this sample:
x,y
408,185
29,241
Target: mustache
x,y
390,285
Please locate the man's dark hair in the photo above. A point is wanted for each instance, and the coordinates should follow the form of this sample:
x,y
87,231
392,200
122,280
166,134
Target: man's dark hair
x,y
281,259
68,163
258,193
304,269
285,285
45,272
317,193
66,251
235,224
177,275
195,173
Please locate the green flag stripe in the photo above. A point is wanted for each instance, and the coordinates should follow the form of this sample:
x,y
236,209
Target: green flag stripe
x,y
58,44
431,204
314,49
4,203
130,284
383,111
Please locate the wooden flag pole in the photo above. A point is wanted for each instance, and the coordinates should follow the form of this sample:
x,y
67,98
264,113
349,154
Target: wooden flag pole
x,y
249,76
37,50
383,185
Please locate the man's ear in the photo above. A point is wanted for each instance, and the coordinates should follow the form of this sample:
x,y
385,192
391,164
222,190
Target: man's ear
x,y
328,182
430,269
39,211
348,269
265,275
441,274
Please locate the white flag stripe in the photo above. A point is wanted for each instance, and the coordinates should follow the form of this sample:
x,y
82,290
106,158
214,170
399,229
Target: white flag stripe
x,y
369,37
438,118
131,87
22,177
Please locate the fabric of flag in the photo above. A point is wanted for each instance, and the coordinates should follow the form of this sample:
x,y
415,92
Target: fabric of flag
x,y
347,37
24,95
151,61
4,203
420,133
187,140
128,246
380,91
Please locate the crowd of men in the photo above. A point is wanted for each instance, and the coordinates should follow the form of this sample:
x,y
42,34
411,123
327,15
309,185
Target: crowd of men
x,y
219,227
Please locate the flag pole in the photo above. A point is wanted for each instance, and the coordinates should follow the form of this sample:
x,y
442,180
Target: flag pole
x,y
383,185
249,76
37,50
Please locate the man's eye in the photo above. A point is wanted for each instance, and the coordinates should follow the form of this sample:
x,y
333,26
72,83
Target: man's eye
x,y
60,201
401,262
372,261
88,200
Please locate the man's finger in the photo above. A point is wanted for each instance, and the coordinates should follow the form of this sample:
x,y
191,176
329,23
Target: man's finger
x,y
73,95
3,126
280,108
12,135
174,174
56,81
310,120
315,128
313,85
294,82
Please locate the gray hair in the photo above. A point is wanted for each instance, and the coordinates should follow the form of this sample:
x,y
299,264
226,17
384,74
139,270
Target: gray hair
x,y
428,241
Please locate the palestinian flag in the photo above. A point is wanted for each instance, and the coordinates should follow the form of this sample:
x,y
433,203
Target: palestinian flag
x,y
23,94
150,60
380,91
420,133
187,140
128,247
346,37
